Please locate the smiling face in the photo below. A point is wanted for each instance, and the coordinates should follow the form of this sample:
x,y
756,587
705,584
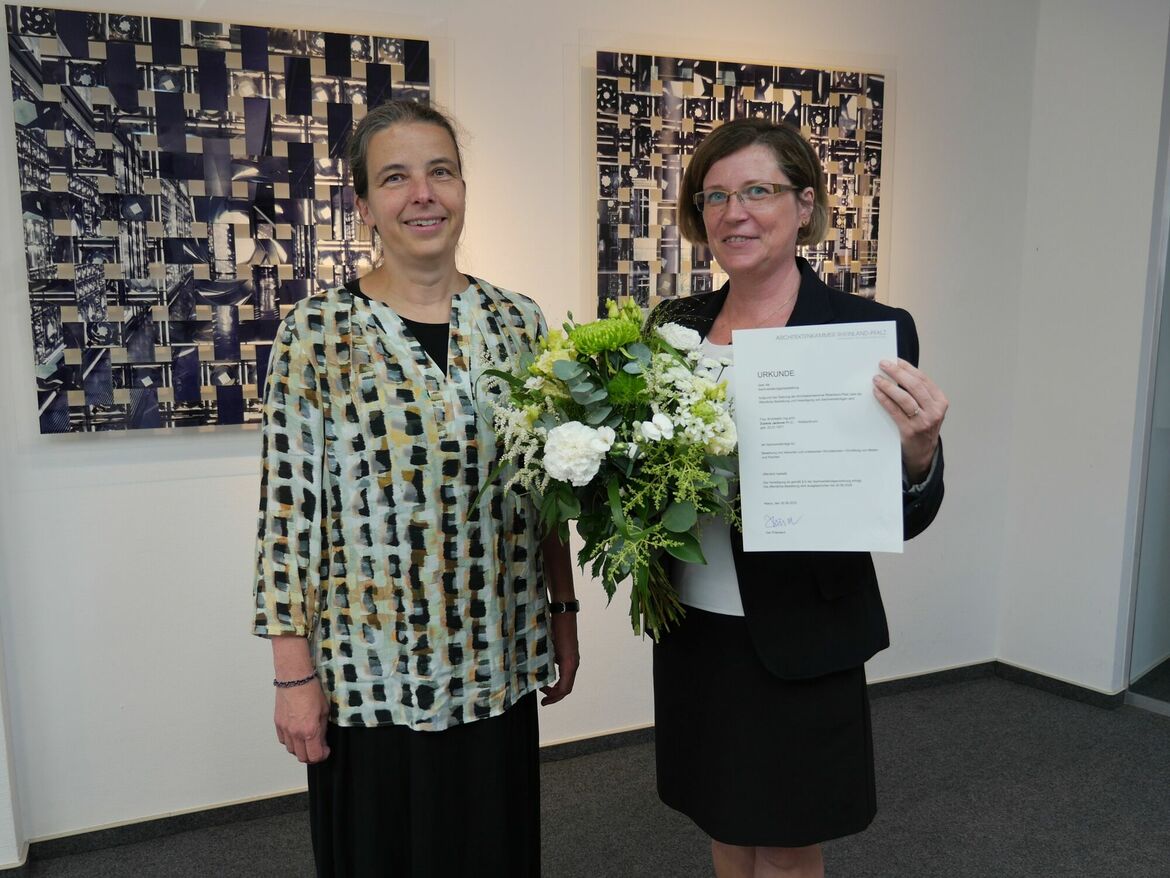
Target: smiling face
x,y
416,196
757,239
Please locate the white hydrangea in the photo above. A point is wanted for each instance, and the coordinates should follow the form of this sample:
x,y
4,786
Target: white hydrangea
x,y
678,337
573,451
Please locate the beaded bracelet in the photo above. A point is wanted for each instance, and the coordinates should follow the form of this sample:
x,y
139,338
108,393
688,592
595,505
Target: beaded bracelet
x,y
289,684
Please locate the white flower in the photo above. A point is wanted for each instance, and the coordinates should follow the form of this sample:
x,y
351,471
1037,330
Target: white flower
x,y
678,337
663,423
573,452
535,382
658,427
724,436
707,368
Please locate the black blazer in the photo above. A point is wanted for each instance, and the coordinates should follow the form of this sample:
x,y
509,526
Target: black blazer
x,y
812,613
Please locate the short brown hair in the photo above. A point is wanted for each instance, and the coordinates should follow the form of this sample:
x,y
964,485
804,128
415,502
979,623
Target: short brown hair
x,y
380,118
794,155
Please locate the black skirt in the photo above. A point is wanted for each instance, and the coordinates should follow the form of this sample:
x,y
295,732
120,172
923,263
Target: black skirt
x,y
752,759
463,801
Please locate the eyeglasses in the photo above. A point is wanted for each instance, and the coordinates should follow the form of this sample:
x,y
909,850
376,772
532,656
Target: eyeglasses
x,y
756,193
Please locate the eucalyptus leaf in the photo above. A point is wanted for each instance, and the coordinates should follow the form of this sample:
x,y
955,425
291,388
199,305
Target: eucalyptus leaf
x,y
640,352
598,415
566,369
680,516
726,462
633,367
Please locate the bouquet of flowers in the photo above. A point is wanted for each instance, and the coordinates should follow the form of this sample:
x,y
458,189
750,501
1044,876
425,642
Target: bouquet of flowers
x,y
625,428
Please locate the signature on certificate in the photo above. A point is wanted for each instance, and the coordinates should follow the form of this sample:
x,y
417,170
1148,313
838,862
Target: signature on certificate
x,y
772,521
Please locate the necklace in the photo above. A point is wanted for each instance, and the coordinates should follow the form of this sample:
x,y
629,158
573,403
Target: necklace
x,y
766,317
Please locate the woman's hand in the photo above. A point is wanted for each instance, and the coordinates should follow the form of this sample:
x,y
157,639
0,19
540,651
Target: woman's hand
x,y
918,407
566,654
302,712
301,716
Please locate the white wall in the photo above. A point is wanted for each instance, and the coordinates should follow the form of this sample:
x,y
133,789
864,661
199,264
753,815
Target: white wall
x,y
1151,629
1080,314
134,689
13,846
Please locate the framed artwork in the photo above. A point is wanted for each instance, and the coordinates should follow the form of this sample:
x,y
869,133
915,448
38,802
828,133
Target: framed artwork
x,y
183,185
652,111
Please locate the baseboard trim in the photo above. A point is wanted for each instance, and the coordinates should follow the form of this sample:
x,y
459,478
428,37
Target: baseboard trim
x,y
1004,671
20,868
884,688
1064,689
596,744
146,830
1145,702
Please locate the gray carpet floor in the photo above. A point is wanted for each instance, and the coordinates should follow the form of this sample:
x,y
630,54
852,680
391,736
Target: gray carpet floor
x,y
984,778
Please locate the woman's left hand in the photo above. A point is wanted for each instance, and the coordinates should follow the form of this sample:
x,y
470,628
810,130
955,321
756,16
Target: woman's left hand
x,y
566,654
918,407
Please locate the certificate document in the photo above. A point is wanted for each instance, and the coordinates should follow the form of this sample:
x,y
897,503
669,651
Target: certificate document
x,y
820,460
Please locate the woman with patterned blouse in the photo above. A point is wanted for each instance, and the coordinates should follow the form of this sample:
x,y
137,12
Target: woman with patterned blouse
x,y
406,607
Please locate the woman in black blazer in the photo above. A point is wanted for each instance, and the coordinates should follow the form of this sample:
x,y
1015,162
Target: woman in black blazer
x,y
761,713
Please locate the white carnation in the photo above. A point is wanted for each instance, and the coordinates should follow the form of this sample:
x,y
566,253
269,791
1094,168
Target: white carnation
x,y
534,382
678,337
573,452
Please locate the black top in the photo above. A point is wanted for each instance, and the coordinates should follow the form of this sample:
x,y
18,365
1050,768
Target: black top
x,y
433,337
813,613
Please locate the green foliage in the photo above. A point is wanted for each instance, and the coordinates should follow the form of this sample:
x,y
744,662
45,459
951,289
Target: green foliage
x,y
680,516
645,503
626,389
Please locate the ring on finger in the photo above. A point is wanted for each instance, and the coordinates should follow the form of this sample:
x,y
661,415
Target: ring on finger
x,y
917,411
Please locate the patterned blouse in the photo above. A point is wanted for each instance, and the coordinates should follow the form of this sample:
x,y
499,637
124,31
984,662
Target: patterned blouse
x,y
420,609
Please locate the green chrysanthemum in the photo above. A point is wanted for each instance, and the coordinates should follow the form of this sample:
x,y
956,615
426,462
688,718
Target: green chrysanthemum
x,y
607,334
